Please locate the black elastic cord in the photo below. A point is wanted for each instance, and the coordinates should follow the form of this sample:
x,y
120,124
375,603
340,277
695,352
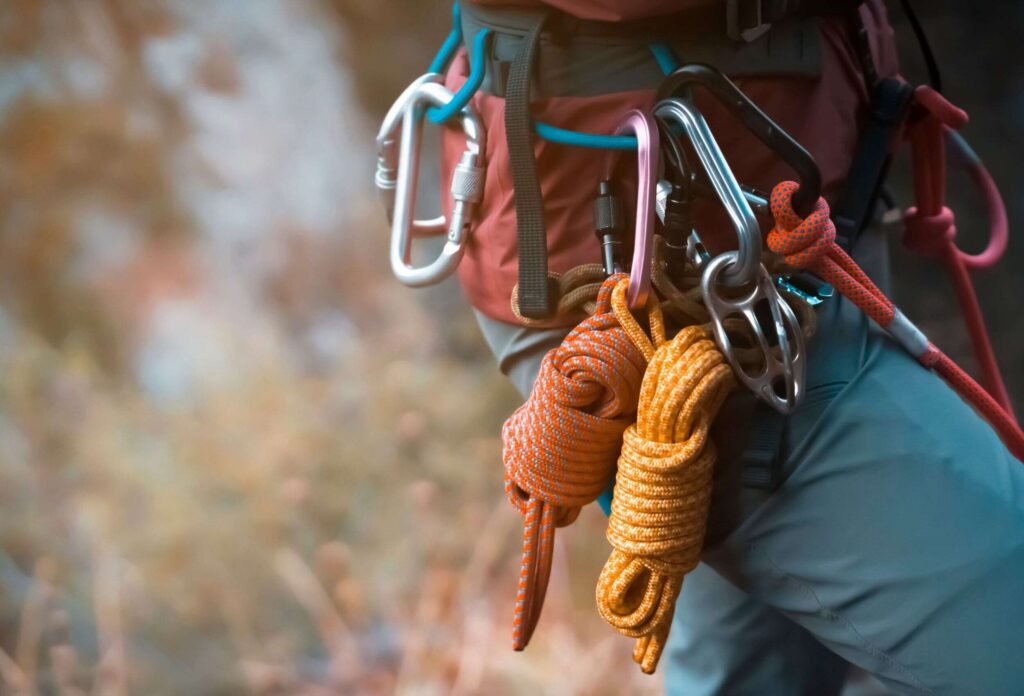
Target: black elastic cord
x,y
534,292
934,76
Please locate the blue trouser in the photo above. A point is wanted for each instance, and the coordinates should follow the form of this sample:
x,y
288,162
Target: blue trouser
x,y
893,540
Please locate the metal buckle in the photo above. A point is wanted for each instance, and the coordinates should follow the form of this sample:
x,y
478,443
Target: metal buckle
x,y
779,381
739,30
387,159
467,188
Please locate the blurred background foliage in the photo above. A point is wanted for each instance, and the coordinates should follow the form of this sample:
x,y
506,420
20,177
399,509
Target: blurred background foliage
x,y
235,455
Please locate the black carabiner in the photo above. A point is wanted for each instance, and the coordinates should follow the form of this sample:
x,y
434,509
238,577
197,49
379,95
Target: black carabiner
x,y
757,122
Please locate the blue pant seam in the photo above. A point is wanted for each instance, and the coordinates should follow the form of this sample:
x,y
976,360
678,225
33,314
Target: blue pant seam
x,y
865,644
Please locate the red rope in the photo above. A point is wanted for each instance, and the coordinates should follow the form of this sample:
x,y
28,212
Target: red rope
x,y
560,447
810,243
931,226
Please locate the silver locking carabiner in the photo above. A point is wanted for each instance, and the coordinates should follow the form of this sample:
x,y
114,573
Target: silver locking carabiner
x,y
467,187
388,140
736,284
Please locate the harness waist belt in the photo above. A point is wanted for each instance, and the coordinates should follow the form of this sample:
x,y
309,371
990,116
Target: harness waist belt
x,y
583,58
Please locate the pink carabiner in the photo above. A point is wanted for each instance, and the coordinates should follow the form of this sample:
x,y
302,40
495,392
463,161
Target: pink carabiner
x,y
648,148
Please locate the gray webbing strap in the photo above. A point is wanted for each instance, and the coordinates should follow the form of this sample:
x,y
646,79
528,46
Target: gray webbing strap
x,y
760,459
534,293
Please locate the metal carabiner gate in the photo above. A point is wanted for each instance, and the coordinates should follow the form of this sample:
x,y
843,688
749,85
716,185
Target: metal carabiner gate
x,y
387,159
467,188
745,265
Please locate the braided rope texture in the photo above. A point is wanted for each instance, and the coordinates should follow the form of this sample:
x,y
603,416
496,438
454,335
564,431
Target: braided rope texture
x,y
560,447
663,490
810,243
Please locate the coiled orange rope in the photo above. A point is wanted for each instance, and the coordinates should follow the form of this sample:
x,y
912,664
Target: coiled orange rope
x,y
663,490
560,446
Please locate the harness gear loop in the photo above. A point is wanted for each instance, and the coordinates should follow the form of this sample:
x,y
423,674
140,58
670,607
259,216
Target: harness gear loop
x,y
663,490
451,43
810,243
440,114
931,225
561,445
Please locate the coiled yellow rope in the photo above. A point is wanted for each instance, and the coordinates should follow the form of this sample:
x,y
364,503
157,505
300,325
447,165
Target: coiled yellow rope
x,y
663,487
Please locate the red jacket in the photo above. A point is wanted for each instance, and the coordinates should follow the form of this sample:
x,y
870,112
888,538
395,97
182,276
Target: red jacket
x,y
821,113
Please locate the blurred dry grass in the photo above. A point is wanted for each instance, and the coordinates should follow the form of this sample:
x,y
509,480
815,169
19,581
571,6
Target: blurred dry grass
x,y
237,461
235,455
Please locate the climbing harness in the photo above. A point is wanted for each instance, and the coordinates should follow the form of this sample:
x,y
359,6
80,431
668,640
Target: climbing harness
x,y
621,401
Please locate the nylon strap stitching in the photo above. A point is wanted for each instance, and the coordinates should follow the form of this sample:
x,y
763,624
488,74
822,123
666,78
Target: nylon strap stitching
x,y
534,299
